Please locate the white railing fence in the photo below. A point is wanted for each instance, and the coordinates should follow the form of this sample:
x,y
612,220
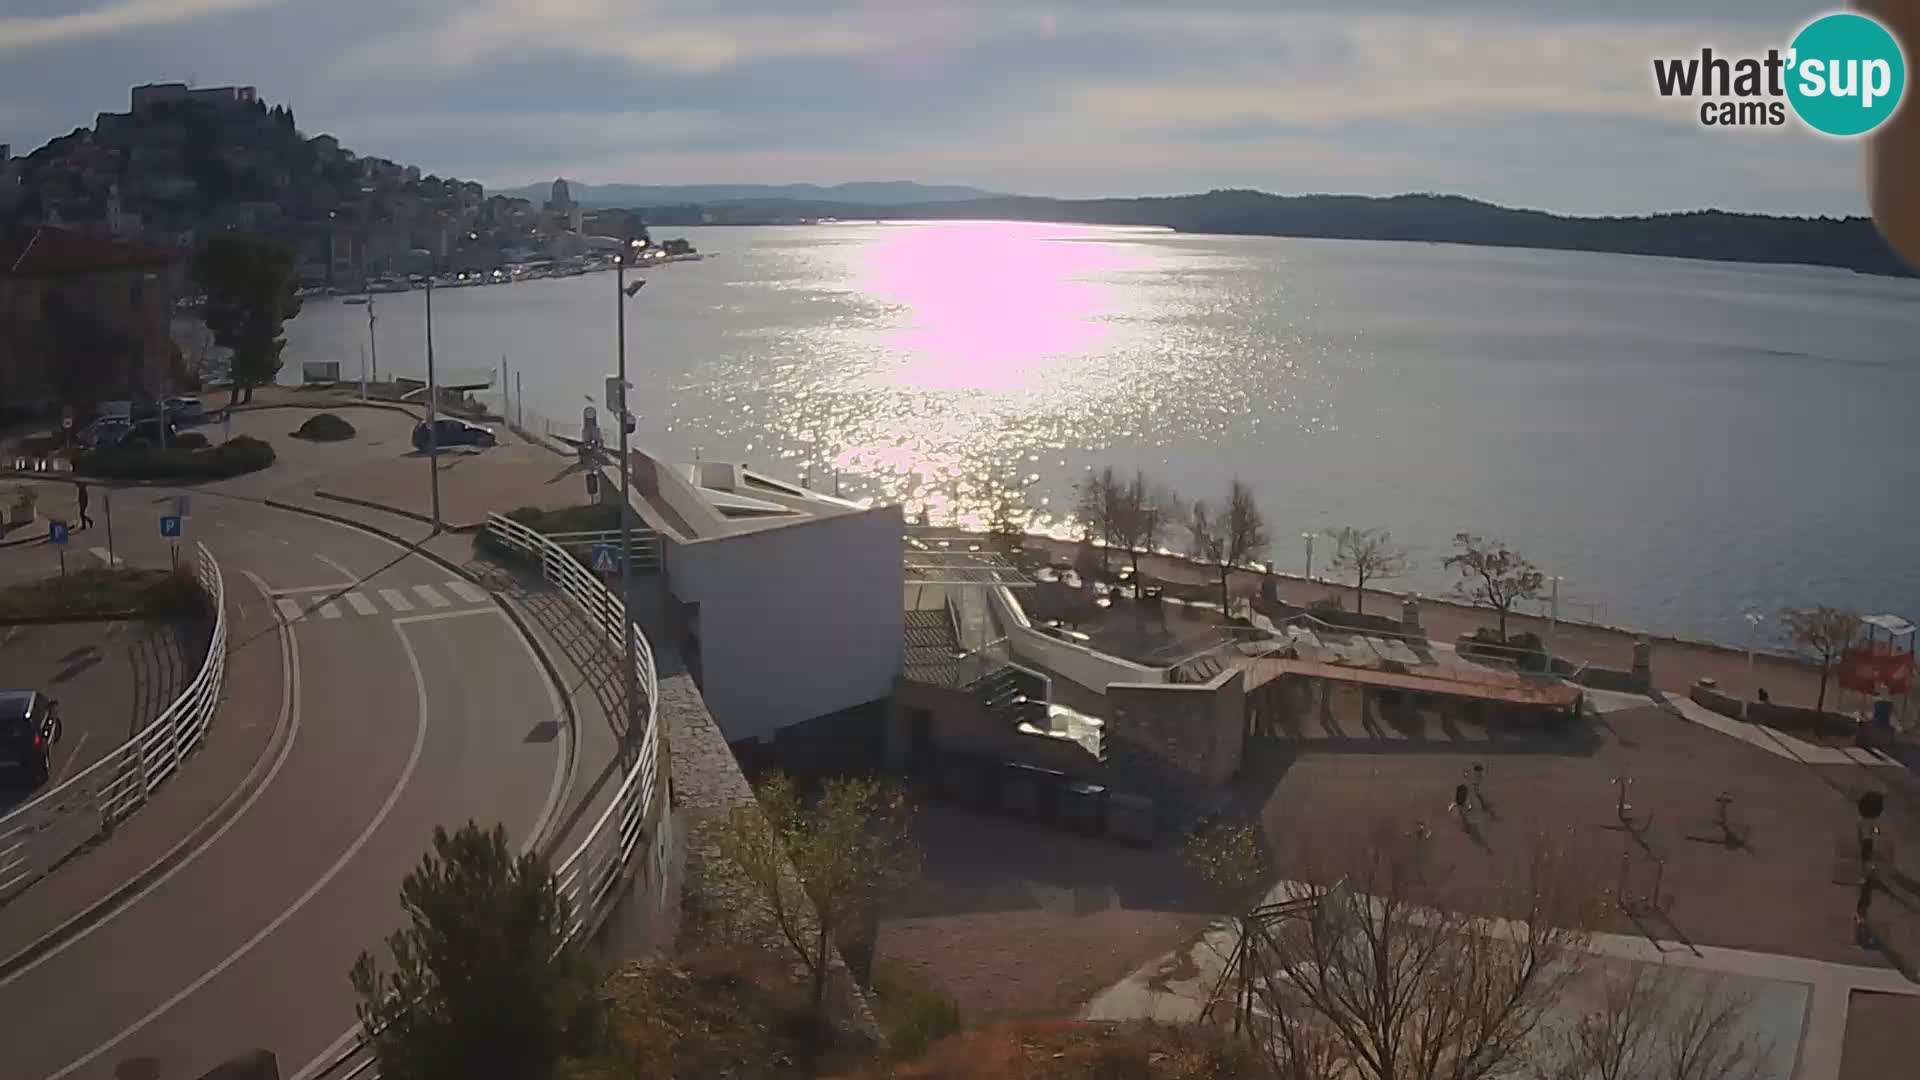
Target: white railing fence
x,y
590,876
37,836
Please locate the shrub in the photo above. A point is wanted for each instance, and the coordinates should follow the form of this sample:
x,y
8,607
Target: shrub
x,y
189,440
1325,606
914,1011
242,454
103,591
325,427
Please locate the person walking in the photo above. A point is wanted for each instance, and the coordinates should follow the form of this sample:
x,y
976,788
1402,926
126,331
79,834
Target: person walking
x,y
86,519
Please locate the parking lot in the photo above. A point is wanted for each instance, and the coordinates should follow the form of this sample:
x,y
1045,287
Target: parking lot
x,y
109,677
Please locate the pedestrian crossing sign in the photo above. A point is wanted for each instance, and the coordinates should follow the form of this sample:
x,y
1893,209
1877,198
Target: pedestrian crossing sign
x,y
606,558
170,526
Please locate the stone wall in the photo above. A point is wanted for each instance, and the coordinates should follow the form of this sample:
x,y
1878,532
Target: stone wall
x,y
1790,718
707,786
1181,743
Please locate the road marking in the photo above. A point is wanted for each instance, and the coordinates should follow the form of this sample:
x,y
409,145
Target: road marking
x,y
379,818
466,591
289,717
396,599
106,558
303,589
329,610
290,610
73,755
351,576
461,614
432,596
362,605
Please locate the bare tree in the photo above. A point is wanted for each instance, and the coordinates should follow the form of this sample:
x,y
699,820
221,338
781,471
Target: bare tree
x,y
1231,536
1823,634
1392,976
1096,505
1492,575
1367,554
847,852
1139,515
1655,1023
1007,511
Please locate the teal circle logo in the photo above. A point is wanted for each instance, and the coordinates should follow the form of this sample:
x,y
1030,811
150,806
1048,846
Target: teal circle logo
x,y
1847,74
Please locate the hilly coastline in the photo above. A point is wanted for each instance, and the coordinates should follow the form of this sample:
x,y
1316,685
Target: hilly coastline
x,y
1850,243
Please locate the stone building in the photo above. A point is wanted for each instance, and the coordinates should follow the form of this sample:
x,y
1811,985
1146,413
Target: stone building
x,y
83,319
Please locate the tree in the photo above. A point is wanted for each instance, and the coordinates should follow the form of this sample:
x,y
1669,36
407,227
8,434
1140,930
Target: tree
x,y
1097,507
1822,633
486,981
1006,511
1367,554
847,852
1656,1023
1388,975
1139,514
1235,863
1230,536
249,284
1493,575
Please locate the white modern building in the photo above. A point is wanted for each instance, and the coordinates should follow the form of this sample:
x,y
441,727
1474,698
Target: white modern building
x,y
784,602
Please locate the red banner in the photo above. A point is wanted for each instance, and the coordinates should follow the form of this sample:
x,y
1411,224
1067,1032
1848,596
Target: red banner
x,y
1867,670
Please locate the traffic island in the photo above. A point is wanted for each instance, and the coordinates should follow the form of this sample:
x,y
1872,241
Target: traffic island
x,y
180,463
102,593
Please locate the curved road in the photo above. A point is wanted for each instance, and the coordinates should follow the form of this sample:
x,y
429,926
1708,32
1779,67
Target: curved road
x,y
407,708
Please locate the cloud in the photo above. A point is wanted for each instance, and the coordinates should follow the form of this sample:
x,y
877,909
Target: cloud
x,y
19,32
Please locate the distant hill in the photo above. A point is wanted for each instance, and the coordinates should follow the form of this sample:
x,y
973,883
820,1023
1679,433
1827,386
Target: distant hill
x,y
1849,243
869,192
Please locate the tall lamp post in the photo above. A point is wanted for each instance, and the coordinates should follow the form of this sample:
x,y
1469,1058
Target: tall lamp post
x,y
433,415
1308,537
373,345
622,293
1754,619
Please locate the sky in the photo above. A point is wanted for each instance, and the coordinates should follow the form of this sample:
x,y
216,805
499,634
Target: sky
x,y
1536,103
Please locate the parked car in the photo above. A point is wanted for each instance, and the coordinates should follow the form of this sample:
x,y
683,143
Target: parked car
x,y
451,431
187,410
147,432
29,726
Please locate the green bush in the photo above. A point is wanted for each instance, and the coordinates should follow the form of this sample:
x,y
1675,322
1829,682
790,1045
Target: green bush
x,y
589,518
189,440
912,1009
102,591
243,454
325,427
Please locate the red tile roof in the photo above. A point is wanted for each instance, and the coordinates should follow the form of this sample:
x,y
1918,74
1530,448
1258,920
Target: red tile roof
x,y
53,252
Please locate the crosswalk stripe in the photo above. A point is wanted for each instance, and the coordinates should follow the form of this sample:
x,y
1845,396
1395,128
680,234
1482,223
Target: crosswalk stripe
x,y
432,596
329,610
362,605
467,592
106,559
396,599
289,608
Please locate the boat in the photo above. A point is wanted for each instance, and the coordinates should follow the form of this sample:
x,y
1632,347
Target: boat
x,y
353,299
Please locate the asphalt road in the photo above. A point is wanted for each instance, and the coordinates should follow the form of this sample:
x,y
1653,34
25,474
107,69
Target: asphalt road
x,y
110,678
401,720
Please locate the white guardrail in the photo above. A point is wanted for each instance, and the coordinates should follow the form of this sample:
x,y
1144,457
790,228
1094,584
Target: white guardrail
x,y
590,876
36,837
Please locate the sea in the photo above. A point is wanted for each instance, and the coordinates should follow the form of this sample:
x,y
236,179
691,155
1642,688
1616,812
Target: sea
x,y
1679,441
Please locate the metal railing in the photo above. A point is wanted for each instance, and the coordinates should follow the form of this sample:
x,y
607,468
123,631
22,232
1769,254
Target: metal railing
x,y
589,877
36,837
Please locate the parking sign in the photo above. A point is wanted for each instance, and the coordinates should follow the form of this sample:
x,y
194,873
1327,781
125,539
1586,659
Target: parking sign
x,y
56,532
170,526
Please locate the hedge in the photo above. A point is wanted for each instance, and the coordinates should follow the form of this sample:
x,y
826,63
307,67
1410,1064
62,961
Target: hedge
x,y
243,454
325,427
104,591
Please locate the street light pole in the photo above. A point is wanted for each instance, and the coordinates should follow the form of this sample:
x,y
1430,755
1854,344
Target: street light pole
x,y
1753,632
373,344
1308,537
433,415
629,677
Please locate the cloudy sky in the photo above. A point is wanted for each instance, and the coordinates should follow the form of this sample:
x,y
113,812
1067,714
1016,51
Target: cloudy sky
x,y
1544,103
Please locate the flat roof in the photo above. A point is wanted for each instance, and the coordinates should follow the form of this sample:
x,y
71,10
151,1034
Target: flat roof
x,y
1510,690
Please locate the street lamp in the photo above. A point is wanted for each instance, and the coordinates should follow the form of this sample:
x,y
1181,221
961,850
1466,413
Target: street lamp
x,y
1553,615
373,344
433,416
1754,619
622,293
1308,537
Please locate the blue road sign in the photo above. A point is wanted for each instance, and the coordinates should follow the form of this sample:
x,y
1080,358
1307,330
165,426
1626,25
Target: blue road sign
x,y
56,532
606,558
170,525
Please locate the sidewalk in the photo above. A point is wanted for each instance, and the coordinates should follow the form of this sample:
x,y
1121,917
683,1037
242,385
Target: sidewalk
x,y
1777,743
1801,1005
211,787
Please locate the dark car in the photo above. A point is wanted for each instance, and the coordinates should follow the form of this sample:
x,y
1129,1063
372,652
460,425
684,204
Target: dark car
x,y
29,726
147,433
454,432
